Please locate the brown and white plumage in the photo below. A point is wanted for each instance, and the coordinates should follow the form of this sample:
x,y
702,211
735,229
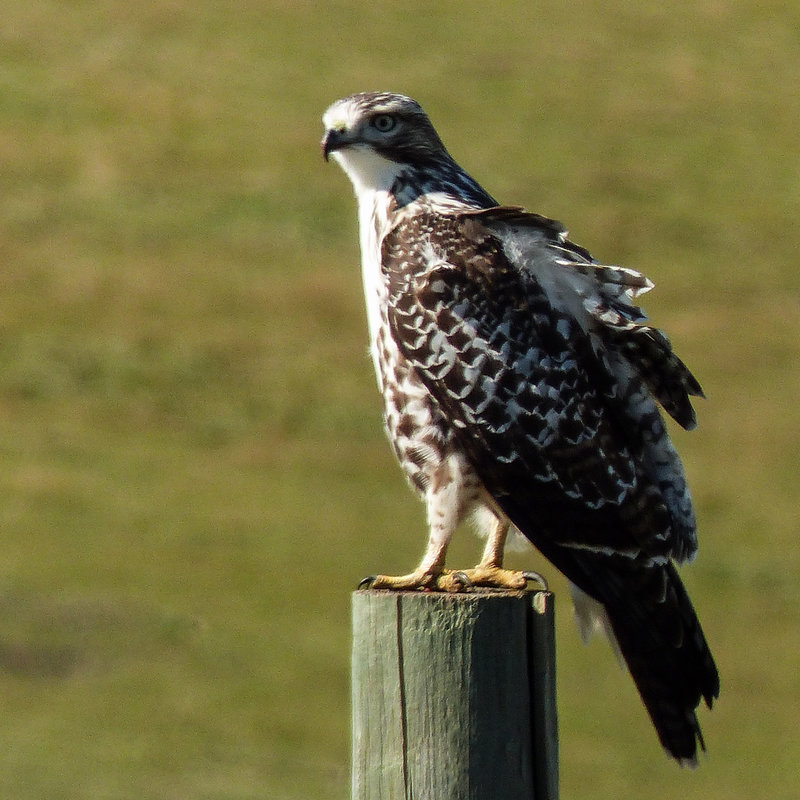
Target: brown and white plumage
x,y
521,385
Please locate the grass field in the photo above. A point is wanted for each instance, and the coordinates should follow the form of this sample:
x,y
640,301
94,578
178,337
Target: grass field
x,y
193,475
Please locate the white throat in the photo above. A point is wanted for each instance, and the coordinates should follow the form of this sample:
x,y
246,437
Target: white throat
x,y
372,176
368,171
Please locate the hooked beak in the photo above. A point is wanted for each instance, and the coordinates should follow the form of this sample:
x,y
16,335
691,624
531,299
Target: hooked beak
x,y
332,140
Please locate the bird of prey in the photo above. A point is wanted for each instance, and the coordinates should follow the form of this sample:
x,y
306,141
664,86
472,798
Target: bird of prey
x,y
521,386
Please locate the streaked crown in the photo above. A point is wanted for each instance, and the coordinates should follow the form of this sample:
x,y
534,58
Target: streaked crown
x,y
393,125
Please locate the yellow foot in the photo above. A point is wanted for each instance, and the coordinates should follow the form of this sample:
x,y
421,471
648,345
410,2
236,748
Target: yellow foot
x,y
446,580
496,577
454,580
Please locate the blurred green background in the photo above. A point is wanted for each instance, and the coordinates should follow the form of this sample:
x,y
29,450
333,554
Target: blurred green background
x,y
193,475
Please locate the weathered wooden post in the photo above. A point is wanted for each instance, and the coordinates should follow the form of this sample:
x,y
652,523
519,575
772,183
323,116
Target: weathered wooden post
x,y
454,696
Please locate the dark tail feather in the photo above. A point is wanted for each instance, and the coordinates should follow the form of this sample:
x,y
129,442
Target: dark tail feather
x,y
663,644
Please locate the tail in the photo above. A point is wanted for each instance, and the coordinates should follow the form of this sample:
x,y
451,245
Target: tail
x,y
663,645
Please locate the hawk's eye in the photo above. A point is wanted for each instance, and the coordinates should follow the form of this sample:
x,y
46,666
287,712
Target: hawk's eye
x,y
383,122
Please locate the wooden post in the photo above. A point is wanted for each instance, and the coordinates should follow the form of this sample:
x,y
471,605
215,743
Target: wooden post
x,y
454,696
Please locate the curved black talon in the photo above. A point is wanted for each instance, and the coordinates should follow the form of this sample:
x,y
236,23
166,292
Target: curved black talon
x,y
463,579
366,583
540,579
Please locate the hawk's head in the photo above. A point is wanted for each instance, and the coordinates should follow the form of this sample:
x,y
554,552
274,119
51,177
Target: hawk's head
x,y
393,125
386,143
375,135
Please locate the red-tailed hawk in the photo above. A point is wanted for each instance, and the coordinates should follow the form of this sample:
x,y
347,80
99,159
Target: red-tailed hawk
x,y
521,385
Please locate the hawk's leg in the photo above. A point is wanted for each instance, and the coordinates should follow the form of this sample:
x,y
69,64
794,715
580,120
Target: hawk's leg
x,y
451,490
490,571
448,489
430,574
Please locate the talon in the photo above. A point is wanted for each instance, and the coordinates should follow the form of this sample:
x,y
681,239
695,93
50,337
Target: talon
x,y
366,583
461,578
536,578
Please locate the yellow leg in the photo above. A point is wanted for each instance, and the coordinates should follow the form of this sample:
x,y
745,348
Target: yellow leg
x,y
432,575
490,571
446,505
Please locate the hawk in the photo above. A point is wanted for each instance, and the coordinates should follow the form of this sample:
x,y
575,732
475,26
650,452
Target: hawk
x,y
521,387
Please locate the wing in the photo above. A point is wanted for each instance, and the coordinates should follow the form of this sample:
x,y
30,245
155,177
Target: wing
x,y
539,414
560,427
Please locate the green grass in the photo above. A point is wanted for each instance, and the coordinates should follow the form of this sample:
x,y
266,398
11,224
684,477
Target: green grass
x,y
192,470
